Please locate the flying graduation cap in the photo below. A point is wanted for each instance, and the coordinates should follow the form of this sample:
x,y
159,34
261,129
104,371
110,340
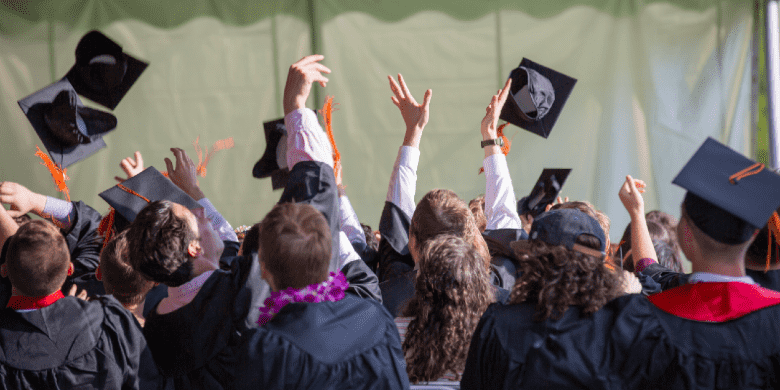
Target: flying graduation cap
x,y
273,163
546,190
103,73
537,97
729,196
70,131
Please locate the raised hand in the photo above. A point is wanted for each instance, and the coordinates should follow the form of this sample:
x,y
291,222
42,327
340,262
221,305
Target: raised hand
x,y
415,115
489,126
21,199
131,166
631,196
300,78
184,175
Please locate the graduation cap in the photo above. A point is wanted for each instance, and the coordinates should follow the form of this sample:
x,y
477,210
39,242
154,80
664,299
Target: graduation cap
x,y
129,197
537,96
68,130
546,190
729,196
103,73
274,160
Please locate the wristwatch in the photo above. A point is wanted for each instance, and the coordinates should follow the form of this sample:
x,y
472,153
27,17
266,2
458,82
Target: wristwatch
x,y
494,141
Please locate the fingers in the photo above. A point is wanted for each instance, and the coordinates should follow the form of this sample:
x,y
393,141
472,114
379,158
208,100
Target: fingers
x,y
396,89
15,213
309,59
169,165
427,98
139,161
559,200
405,89
395,101
72,291
82,295
505,92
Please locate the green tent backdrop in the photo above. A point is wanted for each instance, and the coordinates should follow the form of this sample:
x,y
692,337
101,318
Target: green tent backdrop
x,y
655,78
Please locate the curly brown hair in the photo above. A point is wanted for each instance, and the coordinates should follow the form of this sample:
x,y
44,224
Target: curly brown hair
x,y
451,292
555,278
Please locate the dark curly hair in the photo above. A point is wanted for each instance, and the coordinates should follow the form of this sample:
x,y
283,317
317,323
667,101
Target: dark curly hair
x,y
159,239
555,278
452,291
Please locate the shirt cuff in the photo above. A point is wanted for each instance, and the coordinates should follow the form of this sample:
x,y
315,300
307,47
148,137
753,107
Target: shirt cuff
x,y
306,141
58,210
220,225
347,253
642,264
409,157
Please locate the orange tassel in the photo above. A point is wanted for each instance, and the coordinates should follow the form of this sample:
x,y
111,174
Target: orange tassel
x,y
327,110
58,174
106,227
226,143
504,149
774,230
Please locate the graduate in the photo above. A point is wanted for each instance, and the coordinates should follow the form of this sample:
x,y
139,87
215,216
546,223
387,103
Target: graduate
x,y
67,343
312,333
718,329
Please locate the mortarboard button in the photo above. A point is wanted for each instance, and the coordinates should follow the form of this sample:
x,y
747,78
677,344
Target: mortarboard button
x,y
68,130
129,197
546,190
103,73
729,196
537,96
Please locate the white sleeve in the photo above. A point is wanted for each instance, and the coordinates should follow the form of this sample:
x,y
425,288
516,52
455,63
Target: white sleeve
x,y
403,181
347,252
350,224
222,226
306,141
500,202
58,210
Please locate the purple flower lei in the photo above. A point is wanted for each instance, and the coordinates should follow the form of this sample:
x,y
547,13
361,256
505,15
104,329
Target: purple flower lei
x,y
331,290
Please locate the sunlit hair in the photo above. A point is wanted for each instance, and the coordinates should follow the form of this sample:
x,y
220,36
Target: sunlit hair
x,y
127,285
555,278
443,212
477,207
452,291
37,259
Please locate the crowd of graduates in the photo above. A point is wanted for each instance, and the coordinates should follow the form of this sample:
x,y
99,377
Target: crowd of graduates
x,y
163,293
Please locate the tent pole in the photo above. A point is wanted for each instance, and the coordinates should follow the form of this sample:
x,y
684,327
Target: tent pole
x,y
773,82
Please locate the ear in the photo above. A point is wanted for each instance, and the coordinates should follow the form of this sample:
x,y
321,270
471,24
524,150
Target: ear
x,y
98,273
194,248
70,269
3,270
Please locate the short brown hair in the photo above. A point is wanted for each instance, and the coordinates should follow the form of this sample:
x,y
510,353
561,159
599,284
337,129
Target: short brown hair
x,y
477,207
555,278
452,291
37,259
127,285
441,211
295,245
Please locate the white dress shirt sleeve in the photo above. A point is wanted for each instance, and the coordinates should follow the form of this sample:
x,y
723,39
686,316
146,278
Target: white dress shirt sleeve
x,y
500,202
350,224
403,180
306,141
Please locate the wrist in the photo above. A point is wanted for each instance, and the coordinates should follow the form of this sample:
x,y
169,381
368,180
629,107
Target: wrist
x,y
488,134
413,136
39,203
196,193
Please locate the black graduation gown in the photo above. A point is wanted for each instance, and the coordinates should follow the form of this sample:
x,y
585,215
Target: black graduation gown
x,y
73,344
349,344
400,290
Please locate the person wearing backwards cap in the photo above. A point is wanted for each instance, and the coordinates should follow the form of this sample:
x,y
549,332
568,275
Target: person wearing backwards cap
x,y
718,330
48,341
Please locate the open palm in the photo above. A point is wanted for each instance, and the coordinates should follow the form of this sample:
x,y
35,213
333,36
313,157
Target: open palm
x,y
414,114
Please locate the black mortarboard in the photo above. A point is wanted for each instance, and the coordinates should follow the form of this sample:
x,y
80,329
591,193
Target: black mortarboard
x,y
536,97
729,196
274,160
544,192
103,73
129,197
68,130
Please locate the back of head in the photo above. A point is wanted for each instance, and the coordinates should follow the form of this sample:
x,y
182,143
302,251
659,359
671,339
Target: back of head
x,y
452,291
443,212
560,267
37,259
159,239
251,241
127,285
477,207
295,245
588,209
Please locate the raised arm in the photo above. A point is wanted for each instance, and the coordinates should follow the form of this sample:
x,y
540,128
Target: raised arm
x,y
500,202
643,252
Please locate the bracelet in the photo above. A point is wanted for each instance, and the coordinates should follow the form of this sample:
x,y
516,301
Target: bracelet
x,y
494,141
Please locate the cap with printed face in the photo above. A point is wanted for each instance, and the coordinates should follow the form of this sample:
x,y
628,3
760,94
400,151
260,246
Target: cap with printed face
x,y
103,73
131,196
537,96
70,131
546,190
729,196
